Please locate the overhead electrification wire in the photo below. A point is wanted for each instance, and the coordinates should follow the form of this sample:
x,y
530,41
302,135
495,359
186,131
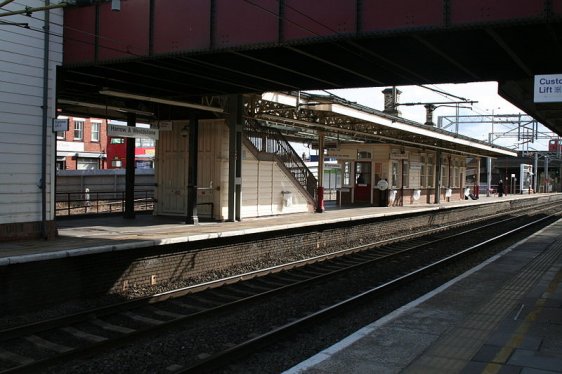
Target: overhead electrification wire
x,y
336,33
126,51
60,35
5,2
251,2
444,93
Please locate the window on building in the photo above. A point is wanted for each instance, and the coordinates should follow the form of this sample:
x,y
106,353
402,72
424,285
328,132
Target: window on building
x,y
61,135
78,130
347,173
405,174
144,143
423,171
457,174
61,163
394,174
362,155
87,164
95,136
445,175
117,141
429,170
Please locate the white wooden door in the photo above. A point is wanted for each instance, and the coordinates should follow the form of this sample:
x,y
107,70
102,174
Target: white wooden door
x,y
172,175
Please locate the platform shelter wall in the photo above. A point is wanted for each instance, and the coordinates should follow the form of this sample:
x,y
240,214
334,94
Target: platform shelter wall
x,y
267,189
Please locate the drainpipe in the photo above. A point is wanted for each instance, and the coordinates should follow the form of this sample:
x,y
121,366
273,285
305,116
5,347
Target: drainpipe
x,y
320,202
43,181
536,170
438,176
477,189
546,175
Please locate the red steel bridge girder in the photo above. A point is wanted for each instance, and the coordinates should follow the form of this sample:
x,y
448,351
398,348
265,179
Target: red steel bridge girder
x,y
160,27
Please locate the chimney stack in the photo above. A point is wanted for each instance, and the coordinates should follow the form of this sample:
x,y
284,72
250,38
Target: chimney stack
x,y
429,108
391,98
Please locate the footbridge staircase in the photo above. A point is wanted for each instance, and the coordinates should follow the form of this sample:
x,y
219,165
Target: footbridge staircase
x,y
269,144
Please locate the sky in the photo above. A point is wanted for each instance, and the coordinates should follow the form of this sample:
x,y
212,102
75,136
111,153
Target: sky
x,y
485,94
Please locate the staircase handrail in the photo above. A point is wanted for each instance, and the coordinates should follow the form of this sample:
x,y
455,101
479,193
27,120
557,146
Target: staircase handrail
x,y
270,140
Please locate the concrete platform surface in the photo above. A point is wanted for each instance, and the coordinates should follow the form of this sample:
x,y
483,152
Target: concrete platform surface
x,y
90,235
505,316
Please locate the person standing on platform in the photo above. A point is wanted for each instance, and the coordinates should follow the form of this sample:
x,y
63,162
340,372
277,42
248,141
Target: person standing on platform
x,y
500,188
360,179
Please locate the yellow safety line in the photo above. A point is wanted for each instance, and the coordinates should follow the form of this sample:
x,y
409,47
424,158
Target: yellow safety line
x,y
517,337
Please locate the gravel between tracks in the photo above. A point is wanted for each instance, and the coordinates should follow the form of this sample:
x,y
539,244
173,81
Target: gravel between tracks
x,y
172,348
169,350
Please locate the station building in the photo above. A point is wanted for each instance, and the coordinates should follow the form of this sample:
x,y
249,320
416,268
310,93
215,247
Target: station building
x,y
235,161
419,165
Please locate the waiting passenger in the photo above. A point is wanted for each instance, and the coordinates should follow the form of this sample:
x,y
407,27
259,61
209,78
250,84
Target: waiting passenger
x,y
500,188
360,179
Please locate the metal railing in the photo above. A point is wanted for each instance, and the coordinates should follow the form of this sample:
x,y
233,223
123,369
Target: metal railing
x,y
80,203
270,140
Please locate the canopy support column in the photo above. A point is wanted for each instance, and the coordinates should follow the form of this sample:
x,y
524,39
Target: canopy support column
x,y
320,194
129,212
235,125
191,216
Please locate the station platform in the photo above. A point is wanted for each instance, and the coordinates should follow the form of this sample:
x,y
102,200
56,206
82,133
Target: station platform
x,y
100,234
515,328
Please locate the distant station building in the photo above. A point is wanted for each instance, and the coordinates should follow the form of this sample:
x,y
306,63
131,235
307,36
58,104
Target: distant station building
x,y
391,175
386,160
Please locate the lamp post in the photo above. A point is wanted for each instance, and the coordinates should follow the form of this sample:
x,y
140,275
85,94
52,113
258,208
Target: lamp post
x,y
512,184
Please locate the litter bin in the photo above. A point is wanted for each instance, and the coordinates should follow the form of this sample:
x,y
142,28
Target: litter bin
x,y
382,185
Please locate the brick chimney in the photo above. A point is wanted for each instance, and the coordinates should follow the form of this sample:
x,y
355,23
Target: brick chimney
x,y
391,98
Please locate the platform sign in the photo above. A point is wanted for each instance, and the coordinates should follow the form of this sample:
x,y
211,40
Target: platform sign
x,y
548,88
131,132
340,154
60,124
165,126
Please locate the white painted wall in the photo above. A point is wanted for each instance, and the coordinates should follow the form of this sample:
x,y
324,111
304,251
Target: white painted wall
x,y
171,172
21,123
263,182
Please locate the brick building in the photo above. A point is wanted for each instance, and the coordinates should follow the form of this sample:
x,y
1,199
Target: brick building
x,y
86,146
83,146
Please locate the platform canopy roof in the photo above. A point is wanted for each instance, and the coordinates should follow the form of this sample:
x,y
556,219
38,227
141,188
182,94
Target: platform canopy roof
x,y
168,55
302,117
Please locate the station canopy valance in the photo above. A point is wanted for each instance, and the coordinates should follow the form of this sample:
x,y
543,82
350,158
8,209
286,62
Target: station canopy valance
x,y
302,117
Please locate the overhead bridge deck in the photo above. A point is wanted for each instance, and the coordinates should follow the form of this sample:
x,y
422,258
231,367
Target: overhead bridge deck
x,y
101,255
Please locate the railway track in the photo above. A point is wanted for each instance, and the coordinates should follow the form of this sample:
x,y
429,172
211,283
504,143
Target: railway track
x,y
48,343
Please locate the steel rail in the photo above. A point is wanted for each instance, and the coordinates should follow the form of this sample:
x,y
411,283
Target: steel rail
x,y
35,327
100,312
238,351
